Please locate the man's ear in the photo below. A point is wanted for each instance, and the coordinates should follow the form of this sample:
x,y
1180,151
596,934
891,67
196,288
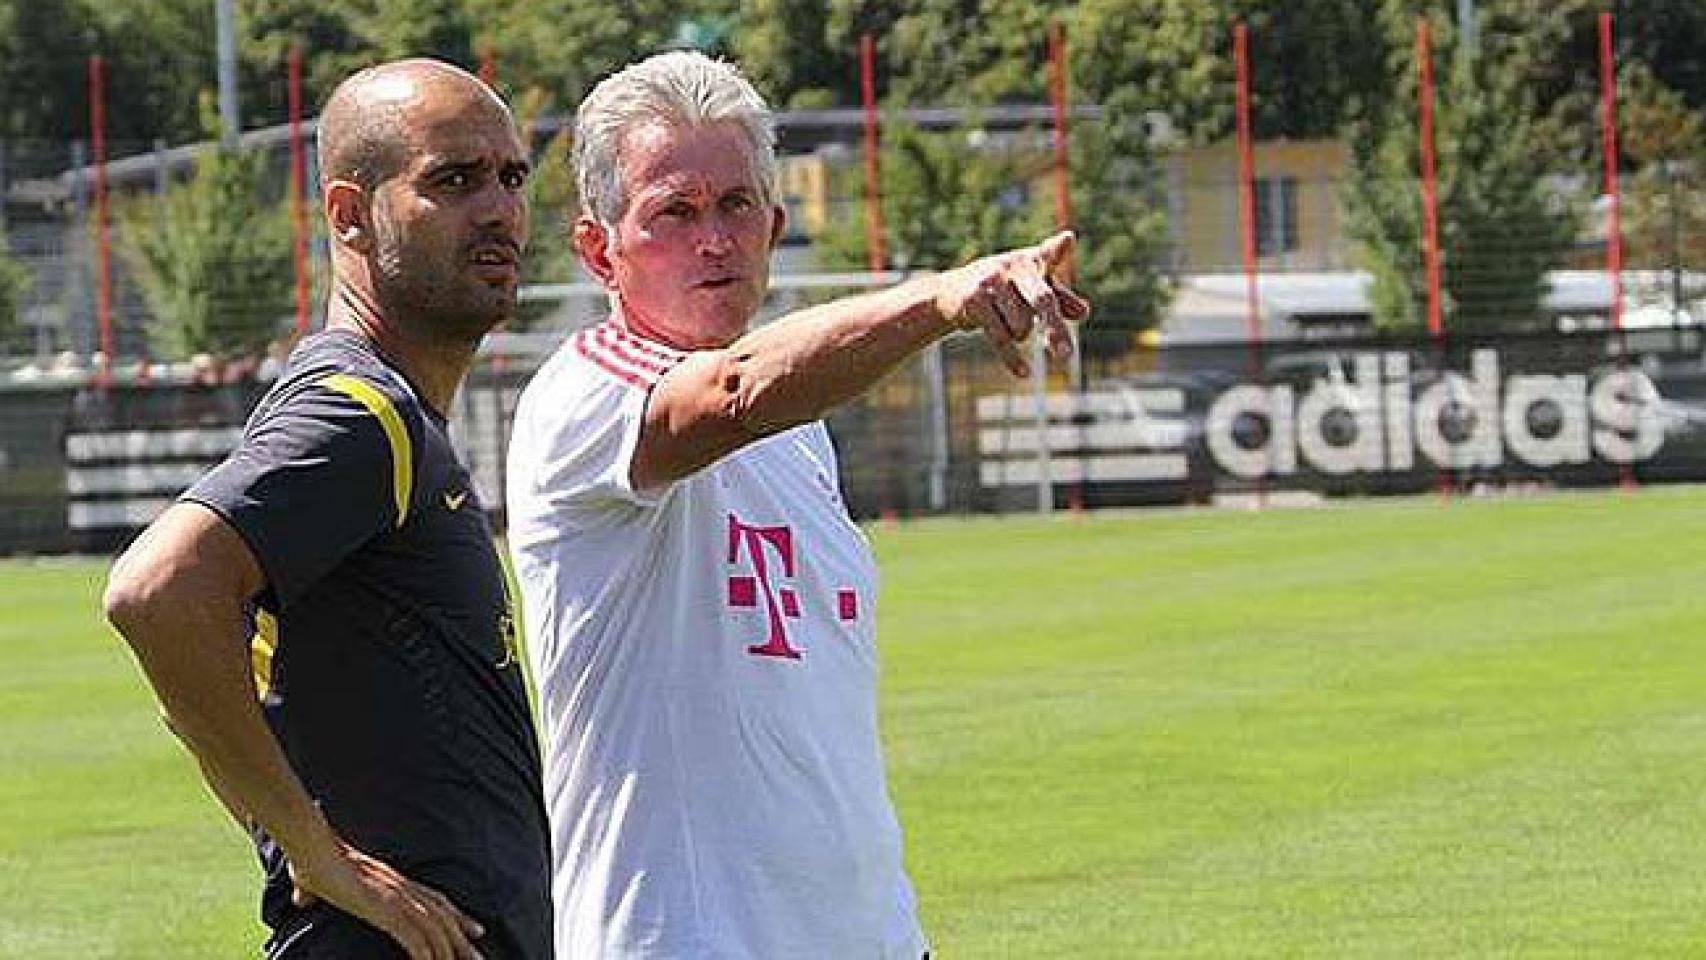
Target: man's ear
x,y
347,215
778,224
592,243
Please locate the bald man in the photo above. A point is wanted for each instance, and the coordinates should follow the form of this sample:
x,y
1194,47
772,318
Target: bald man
x,y
323,616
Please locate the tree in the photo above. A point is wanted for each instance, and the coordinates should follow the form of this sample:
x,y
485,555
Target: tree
x,y
554,204
971,51
1121,222
1662,35
566,46
1664,219
332,48
391,29
950,196
43,47
1315,64
1504,220
804,54
14,283
213,259
946,197
160,58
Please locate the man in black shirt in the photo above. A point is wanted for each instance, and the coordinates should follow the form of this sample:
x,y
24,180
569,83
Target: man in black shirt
x,y
323,616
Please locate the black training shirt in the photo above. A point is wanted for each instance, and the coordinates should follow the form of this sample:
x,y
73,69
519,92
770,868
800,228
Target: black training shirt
x,y
385,647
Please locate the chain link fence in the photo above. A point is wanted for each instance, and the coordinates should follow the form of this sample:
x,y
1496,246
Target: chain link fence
x,y
1241,388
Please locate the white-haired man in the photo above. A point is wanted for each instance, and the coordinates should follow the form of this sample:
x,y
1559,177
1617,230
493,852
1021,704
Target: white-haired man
x,y
700,604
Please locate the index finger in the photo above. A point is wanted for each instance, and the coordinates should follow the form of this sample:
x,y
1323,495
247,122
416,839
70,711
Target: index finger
x,y
1056,250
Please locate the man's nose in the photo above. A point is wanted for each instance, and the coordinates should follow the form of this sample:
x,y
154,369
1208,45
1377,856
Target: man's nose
x,y
505,208
715,237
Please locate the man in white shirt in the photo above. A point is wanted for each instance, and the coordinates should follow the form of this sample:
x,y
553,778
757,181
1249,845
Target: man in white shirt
x,y
699,604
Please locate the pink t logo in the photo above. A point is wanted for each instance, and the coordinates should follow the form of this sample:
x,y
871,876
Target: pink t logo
x,y
779,602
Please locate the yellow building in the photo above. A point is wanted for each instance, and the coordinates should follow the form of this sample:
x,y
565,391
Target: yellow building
x,y
1298,223
804,183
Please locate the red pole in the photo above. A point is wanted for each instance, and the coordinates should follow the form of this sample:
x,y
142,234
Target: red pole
x,y
1247,214
1057,90
488,72
298,190
104,292
875,254
1430,182
1608,147
1247,189
1063,210
1443,482
1613,196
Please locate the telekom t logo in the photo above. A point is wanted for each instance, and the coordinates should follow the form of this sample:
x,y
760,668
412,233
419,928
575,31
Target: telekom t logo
x,y
781,602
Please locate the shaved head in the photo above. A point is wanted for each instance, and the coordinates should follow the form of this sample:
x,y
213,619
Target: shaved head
x,y
364,128
423,180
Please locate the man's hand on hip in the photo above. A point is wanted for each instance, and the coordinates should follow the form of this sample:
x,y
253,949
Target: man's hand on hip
x,y
422,920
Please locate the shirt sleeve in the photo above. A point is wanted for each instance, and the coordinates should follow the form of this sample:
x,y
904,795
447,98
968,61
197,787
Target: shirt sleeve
x,y
572,449
315,477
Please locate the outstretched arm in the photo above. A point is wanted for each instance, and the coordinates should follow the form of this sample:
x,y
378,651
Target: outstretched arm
x,y
177,596
799,368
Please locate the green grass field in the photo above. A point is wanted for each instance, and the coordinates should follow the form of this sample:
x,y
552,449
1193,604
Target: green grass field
x,y
1406,729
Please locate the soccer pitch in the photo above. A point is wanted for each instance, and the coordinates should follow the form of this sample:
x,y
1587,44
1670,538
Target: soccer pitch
x,y
1404,728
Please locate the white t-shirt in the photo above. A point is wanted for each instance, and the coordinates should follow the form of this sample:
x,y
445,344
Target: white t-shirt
x,y
707,671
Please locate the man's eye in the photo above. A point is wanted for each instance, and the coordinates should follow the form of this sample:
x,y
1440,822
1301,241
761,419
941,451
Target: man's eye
x,y
513,179
740,203
456,180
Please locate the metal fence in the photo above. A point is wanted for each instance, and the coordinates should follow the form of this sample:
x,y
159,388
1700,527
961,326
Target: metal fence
x,y
953,433
1243,387
1301,229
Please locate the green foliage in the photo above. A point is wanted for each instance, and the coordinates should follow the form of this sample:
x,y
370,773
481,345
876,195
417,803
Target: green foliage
x,y
554,205
804,54
566,46
14,283
392,29
1171,55
1121,222
1321,67
42,51
1503,220
1384,218
332,48
213,259
947,197
1318,63
1315,63
1321,57
982,52
1664,218
1665,36
160,58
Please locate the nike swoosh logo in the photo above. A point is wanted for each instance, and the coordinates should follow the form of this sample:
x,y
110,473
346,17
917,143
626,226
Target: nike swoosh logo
x,y
454,501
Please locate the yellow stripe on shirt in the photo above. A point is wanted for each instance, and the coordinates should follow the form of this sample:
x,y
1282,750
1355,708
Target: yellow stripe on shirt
x,y
402,450
262,645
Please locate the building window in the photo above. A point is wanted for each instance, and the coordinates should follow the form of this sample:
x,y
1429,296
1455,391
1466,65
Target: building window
x,y
1276,215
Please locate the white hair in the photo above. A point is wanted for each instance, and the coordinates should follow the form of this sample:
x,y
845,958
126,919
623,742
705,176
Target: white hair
x,y
678,89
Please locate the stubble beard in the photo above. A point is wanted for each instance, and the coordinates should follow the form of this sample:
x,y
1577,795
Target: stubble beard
x,y
426,301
